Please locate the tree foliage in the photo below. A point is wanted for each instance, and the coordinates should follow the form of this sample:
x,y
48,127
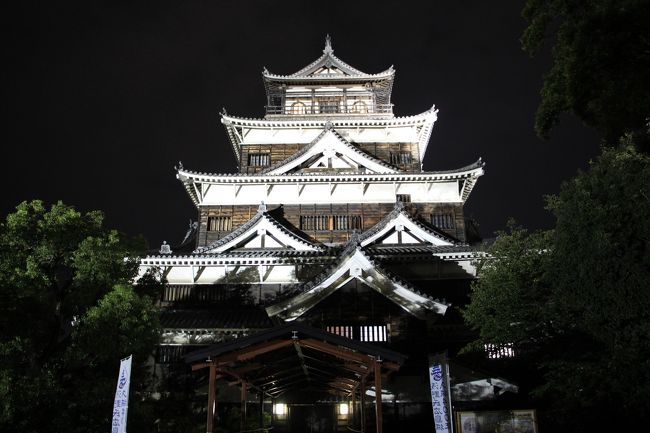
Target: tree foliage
x,y
576,300
69,313
601,62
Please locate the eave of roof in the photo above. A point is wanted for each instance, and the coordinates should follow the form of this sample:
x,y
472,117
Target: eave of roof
x,y
349,121
473,170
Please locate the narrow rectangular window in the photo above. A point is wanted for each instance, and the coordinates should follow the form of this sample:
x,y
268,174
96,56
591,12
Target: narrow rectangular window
x,y
259,159
330,222
443,220
219,223
377,333
402,157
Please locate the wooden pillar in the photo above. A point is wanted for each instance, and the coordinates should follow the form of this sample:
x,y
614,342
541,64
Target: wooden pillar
x,y
363,404
261,426
211,394
242,418
378,414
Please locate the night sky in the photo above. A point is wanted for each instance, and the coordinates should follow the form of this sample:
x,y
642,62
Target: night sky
x,y
104,98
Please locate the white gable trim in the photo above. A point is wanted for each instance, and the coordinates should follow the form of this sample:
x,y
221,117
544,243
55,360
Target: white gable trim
x,y
263,234
360,267
411,232
331,146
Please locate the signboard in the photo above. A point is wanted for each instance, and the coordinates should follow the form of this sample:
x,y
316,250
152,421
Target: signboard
x,y
515,421
440,394
121,402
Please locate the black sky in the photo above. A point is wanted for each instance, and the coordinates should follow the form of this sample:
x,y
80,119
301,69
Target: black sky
x,y
103,98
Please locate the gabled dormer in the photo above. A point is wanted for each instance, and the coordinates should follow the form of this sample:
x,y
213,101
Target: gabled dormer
x,y
329,87
330,153
262,232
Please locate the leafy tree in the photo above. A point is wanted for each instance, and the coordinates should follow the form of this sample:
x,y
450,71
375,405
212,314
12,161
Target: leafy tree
x,y
68,314
601,62
576,300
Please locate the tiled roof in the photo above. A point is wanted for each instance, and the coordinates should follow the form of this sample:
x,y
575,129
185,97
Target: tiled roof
x,y
223,318
328,59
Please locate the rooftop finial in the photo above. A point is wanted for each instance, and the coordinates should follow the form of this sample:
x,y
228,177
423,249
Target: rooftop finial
x,y
262,207
328,45
165,248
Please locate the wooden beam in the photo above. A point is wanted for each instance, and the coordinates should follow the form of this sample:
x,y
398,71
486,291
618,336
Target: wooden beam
x,y
338,351
253,351
242,418
211,397
363,404
246,368
378,412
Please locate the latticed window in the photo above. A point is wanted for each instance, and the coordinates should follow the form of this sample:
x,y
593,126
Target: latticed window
x,y
359,107
402,157
328,105
259,159
330,222
168,354
378,333
443,220
343,331
404,198
373,333
219,223
298,108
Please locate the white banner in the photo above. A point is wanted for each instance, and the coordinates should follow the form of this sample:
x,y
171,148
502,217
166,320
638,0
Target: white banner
x,y
440,395
121,403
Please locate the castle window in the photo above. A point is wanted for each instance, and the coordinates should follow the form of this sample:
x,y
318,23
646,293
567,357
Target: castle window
x,y
404,198
259,159
359,107
343,331
328,105
219,223
298,108
330,222
373,333
443,220
403,157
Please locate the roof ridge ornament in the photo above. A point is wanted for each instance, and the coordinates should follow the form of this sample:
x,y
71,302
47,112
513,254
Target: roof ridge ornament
x,y
165,248
262,208
328,45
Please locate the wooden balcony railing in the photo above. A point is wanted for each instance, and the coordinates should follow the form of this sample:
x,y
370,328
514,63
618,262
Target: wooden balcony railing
x,y
308,110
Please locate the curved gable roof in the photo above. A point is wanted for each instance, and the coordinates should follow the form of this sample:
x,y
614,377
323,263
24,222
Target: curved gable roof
x,y
399,220
262,224
330,140
328,61
355,264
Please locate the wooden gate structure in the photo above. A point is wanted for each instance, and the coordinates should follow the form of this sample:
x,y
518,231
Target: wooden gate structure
x,y
296,356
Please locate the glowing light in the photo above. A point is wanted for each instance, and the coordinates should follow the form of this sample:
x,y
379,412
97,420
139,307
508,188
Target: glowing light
x,y
280,409
344,409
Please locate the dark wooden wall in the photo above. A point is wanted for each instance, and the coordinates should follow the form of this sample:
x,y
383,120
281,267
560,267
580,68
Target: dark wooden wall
x,y
280,152
290,215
